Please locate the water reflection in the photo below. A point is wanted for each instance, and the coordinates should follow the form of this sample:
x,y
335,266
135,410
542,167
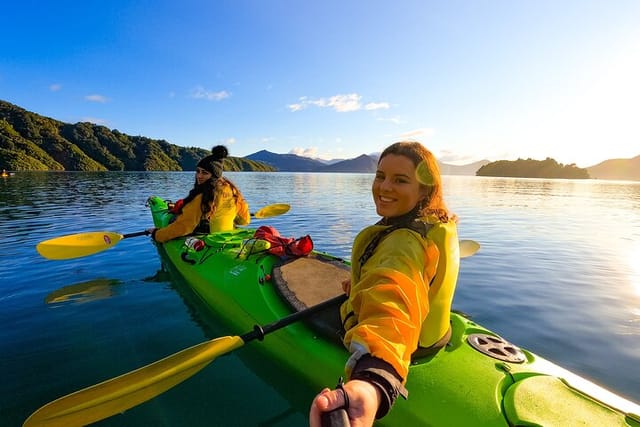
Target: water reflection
x,y
84,292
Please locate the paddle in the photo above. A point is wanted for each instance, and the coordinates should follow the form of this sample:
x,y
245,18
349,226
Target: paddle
x,y
128,390
468,248
272,210
84,244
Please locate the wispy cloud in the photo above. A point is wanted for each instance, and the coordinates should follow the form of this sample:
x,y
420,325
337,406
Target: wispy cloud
x,y
394,120
311,152
96,98
455,157
426,132
376,106
315,153
95,120
342,103
55,87
202,93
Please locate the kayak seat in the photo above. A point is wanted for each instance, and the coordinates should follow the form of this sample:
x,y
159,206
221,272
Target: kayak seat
x,y
307,281
543,400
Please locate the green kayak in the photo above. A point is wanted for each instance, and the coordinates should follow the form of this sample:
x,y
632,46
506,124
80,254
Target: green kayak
x,y
478,379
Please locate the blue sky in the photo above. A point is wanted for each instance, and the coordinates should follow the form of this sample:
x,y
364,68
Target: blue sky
x,y
472,80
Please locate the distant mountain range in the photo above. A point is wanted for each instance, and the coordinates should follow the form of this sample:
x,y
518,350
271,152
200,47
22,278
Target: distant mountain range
x,y
294,163
620,169
365,163
29,141
615,169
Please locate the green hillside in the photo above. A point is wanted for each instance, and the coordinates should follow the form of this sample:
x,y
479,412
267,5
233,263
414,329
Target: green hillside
x,y
530,168
622,169
29,141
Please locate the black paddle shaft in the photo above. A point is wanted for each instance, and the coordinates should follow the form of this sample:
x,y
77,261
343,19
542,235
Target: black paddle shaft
x,y
335,418
260,331
136,234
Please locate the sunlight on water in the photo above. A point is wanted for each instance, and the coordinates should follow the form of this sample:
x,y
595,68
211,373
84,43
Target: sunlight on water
x,y
634,268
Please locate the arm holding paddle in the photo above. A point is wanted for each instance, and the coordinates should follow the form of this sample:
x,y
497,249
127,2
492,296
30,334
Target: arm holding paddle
x,y
185,223
85,244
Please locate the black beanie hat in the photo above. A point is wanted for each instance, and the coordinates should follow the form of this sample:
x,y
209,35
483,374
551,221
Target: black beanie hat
x,y
213,162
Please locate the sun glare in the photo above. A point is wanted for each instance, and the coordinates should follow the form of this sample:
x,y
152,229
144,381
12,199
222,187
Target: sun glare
x,y
634,267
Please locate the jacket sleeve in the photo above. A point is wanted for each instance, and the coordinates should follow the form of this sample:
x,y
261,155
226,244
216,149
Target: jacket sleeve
x,y
184,224
390,300
243,216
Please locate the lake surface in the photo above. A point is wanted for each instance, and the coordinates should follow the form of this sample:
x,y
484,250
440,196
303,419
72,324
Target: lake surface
x,y
558,273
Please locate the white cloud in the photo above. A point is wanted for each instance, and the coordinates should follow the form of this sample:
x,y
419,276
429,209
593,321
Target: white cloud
x,y
425,132
311,152
452,157
298,107
342,103
201,93
394,120
314,153
377,106
55,87
95,121
96,98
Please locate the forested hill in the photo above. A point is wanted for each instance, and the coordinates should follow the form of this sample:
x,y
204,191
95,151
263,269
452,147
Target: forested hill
x,y
530,168
29,141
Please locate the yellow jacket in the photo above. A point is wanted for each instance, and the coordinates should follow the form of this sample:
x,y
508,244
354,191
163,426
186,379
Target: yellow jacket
x,y
228,211
395,303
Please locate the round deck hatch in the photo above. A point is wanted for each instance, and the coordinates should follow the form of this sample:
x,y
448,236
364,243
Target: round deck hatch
x,y
496,347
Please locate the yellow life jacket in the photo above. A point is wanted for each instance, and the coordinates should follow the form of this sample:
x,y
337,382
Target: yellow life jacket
x,y
442,287
443,284
229,209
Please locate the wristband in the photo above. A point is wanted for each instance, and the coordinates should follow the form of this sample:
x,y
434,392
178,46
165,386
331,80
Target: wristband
x,y
384,377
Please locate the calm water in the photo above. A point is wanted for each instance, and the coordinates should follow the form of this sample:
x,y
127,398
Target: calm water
x,y
558,273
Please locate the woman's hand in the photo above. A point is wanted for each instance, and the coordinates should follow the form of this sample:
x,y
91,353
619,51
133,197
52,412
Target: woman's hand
x,y
151,231
363,398
346,286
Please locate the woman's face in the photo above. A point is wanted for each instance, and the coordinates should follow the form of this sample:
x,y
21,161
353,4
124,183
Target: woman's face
x,y
395,189
202,175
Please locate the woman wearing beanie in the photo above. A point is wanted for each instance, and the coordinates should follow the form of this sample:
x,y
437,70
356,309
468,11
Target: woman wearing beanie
x,y
213,198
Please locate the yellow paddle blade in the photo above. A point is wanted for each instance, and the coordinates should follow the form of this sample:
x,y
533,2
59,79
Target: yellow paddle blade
x,y
126,391
78,245
272,210
468,248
